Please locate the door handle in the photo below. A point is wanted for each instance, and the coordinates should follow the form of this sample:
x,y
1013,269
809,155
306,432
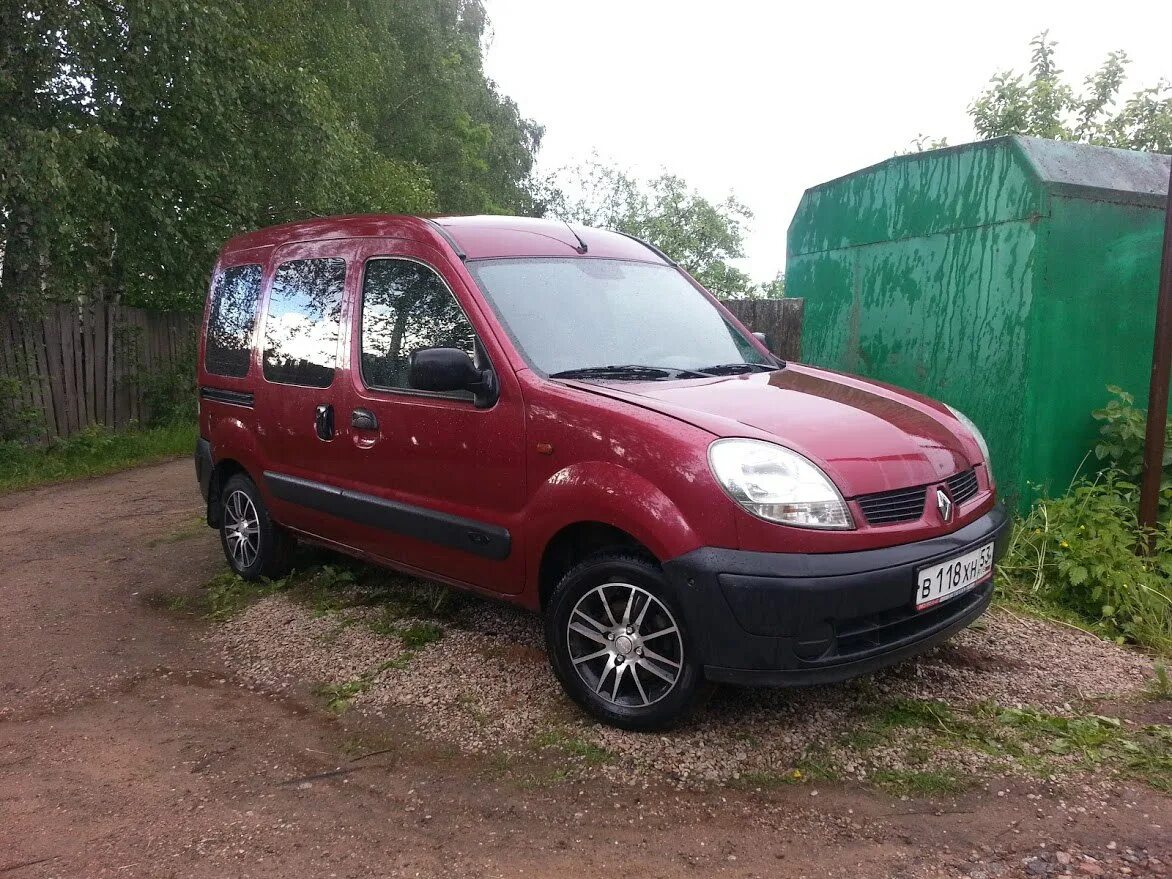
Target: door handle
x,y
323,422
363,419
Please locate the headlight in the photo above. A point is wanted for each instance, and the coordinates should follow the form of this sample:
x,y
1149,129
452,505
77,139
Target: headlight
x,y
976,432
776,484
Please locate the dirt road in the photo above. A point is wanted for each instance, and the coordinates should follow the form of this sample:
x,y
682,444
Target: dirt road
x,y
128,749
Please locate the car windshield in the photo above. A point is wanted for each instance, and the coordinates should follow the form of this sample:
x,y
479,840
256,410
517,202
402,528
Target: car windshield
x,y
613,319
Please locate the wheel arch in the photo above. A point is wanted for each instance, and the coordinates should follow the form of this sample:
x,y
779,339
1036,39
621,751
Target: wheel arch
x,y
223,470
596,505
578,541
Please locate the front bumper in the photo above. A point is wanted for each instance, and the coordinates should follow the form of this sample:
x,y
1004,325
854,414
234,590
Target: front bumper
x,y
788,618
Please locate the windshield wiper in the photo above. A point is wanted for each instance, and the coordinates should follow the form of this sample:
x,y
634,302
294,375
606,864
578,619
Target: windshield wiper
x,y
630,371
737,368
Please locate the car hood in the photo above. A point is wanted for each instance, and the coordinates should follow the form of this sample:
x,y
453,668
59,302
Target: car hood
x,y
866,436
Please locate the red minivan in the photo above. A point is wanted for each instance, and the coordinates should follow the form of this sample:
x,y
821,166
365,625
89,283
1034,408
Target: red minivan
x,y
562,418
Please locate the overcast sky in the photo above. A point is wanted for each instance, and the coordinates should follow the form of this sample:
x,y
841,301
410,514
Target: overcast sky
x,y
767,98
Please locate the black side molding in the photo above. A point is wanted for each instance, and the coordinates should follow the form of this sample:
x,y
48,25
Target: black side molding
x,y
223,395
456,532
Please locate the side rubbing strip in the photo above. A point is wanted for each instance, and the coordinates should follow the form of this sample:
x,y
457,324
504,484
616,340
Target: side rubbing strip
x,y
223,395
468,535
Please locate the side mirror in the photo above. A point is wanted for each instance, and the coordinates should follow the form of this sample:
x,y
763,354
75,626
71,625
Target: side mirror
x,y
764,339
444,370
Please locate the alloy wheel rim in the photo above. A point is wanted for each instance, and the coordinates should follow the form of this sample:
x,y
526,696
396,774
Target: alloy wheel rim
x,y
625,645
241,529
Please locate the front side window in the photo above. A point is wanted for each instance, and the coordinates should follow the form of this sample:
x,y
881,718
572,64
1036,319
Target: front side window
x,y
228,350
582,315
301,330
406,306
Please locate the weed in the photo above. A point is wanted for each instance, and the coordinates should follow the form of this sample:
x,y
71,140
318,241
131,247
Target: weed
x,y
1160,687
919,783
339,696
563,740
227,594
419,634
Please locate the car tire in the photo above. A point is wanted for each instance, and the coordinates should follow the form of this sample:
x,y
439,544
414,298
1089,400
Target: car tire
x,y
619,643
254,545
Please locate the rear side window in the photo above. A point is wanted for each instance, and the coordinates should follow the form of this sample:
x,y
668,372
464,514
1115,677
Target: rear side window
x,y
407,306
301,330
228,350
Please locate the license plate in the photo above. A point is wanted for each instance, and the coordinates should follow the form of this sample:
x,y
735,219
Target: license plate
x,y
938,583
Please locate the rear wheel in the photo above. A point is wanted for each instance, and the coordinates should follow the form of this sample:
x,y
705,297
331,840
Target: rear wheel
x,y
619,643
254,545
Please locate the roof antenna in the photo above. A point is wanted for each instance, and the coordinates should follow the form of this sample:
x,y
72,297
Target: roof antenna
x,y
581,248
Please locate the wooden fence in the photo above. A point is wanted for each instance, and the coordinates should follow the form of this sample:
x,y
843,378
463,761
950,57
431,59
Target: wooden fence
x,y
779,319
76,366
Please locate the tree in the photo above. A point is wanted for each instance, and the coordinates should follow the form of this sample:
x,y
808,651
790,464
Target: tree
x,y
702,236
1042,104
135,136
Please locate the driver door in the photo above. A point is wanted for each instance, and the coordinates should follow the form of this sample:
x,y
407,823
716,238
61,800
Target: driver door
x,y
443,480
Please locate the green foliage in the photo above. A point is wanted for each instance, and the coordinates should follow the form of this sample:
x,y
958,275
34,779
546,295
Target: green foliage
x,y
1160,687
1042,104
920,782
1094,740
227,594
419,634
1082,552
563,740
1085,552
19,422
137,136
93,452
170,394
702,236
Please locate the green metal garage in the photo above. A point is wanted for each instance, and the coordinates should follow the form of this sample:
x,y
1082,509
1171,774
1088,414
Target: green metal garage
x,y
1014,278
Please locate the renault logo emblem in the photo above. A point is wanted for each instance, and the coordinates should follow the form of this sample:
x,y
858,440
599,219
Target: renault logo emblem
x,y
944,505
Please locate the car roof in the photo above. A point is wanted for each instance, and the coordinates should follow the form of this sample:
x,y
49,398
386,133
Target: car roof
x,y
481,237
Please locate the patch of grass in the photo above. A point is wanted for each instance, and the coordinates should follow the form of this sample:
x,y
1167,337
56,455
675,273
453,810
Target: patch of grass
x,y
563,740
93,452
1159,688
919,783
1022,739
419,634
191,528
227,594
340,696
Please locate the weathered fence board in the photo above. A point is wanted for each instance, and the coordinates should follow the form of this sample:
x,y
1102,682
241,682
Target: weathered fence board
x,y
779,319
77,366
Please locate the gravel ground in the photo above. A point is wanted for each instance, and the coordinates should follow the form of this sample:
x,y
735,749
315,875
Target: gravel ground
x,y
486,687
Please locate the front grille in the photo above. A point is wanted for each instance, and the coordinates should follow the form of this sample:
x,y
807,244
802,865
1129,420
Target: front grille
x,y
962,486
889,507
907,504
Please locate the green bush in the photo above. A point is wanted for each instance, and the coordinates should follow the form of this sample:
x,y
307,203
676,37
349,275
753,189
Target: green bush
x,y
170,394
19,422
1085,553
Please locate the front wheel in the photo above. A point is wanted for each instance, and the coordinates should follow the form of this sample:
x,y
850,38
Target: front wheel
x,y
619,643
